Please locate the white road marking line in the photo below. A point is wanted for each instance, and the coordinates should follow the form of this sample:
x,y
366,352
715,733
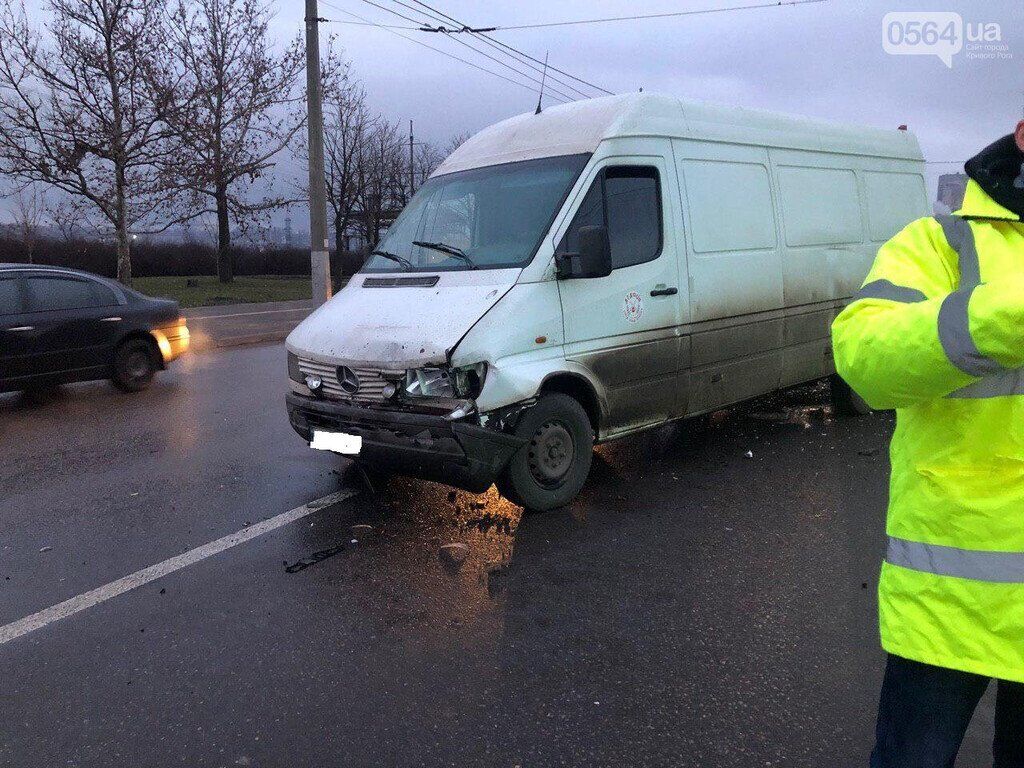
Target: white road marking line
x,y
99,595
248,314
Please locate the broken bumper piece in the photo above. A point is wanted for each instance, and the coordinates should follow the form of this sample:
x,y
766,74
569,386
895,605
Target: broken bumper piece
x,y
427,446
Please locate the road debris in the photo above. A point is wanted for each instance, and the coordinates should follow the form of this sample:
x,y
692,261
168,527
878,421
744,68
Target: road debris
x,y
454,554
361,532
45,549
316,557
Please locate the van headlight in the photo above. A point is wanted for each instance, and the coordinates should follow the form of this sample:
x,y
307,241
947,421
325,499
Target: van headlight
x,y
293,368
466,381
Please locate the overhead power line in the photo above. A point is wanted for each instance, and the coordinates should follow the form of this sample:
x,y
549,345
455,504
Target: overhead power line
x,y
498,44
460,41
648,16
367,22
549,66
603,20
389,10
438,21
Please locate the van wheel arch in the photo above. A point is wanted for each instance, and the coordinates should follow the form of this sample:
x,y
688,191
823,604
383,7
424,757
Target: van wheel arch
x,y
579,389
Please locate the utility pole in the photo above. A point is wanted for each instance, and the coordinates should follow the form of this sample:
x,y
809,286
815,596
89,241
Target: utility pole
x,y
320,262
412,165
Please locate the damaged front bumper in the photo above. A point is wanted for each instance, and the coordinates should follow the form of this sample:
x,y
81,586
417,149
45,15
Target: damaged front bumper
x,y
430,446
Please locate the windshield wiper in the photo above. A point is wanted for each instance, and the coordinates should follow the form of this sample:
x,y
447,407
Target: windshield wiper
x,y
451,250
395,258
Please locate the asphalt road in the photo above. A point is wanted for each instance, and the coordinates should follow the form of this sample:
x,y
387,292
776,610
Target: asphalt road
x,y
695,607
232,325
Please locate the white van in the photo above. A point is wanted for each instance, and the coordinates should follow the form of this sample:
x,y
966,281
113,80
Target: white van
x,y
575,276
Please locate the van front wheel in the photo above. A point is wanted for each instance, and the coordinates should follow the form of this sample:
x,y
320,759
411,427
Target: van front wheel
x,y
551,468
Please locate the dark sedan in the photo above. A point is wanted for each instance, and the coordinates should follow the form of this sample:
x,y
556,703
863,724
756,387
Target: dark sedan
x,y
60,325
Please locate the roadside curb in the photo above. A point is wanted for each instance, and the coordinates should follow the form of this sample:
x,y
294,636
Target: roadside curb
x,y
206,343
238,325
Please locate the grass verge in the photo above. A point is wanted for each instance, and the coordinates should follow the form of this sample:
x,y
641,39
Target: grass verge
x,y
206,291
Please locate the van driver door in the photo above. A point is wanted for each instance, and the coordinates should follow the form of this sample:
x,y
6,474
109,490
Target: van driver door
x,y
625,327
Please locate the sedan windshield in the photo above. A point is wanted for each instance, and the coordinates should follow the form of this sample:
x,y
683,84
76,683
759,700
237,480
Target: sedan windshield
x,y
484,218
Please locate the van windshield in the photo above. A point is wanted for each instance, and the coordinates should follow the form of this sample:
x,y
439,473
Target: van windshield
x,y
485,218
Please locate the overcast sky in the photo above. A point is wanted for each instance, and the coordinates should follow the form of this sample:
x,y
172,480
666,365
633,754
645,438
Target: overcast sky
x,y
824,59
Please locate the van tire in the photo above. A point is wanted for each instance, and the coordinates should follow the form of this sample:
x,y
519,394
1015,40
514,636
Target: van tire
x,y
552,467
846,402
134,365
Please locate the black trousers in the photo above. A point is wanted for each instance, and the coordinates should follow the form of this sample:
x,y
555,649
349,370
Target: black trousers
x,y
924,712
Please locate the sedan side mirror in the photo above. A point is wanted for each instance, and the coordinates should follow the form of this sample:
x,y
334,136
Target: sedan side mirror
x,y
594,258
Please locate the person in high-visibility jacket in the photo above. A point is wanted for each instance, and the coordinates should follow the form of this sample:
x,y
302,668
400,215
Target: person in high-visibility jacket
x,y
937,333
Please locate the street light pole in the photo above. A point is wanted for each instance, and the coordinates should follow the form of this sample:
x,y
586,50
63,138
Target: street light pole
x,y
412,165
320,264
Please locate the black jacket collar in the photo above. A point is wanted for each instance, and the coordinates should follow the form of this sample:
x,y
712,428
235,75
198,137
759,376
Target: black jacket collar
x,y
999,170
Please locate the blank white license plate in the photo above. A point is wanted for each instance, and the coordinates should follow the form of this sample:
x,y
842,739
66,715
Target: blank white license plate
x,y
338,442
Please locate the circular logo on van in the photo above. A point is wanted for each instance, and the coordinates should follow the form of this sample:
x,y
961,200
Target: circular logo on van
x,y
633,307
347,380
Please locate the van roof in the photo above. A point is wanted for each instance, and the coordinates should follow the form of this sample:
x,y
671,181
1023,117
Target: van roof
x,y
578,127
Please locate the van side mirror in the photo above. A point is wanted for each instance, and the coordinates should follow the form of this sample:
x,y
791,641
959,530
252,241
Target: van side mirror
x,y
594,258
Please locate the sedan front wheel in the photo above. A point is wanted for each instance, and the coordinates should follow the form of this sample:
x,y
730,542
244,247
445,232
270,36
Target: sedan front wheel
x,y
134,365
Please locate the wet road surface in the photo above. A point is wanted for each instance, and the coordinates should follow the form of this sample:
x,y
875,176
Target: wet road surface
x,y
696,606
232,325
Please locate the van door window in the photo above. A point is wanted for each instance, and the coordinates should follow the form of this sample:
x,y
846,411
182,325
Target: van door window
x,y
626,200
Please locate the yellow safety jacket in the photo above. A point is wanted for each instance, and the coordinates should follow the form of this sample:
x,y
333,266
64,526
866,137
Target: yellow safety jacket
x,y
937,332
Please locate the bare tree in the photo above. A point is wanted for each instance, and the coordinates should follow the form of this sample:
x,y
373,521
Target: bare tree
x,y
428,157
83,110
29,208
236,114
65,216
381,174
455,142
348,125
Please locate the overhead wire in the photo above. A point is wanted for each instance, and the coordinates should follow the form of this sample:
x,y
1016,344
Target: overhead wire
x,y
515,52
564,96
648,16
367,22
522,58
607,19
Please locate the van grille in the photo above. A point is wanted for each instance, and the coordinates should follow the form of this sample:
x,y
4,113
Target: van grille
x,y
371,381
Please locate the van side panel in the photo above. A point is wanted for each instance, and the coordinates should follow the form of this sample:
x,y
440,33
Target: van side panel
x,y
778,241
824,238
735,272
895,198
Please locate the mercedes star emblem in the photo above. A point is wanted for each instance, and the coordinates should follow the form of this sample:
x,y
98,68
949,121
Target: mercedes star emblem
x,y
347,380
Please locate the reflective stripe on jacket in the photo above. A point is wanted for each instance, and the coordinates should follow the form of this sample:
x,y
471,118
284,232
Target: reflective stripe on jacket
x,y
937,332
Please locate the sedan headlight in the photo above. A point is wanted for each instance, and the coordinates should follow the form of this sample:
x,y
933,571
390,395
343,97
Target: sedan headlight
x,y
446,382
